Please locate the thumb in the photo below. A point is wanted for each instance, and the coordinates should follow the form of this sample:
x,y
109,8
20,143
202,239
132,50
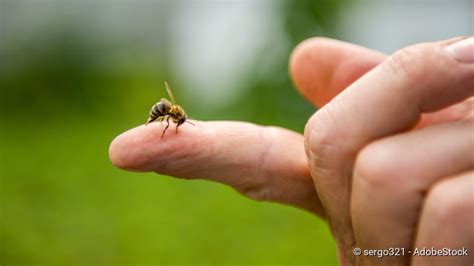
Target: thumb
x,y
321,68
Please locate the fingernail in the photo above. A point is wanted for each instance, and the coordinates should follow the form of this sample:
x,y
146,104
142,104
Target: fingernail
x,y
462,51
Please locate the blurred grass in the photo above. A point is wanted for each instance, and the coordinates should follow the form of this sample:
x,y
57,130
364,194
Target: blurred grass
x,y
63,203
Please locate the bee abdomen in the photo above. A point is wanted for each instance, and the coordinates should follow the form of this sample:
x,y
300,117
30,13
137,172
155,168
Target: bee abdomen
x,y
157,110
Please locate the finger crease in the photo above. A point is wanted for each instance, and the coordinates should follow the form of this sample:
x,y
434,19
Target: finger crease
x,y
263,156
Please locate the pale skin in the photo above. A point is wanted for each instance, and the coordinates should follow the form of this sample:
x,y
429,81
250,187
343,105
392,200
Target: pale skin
x,y
387,160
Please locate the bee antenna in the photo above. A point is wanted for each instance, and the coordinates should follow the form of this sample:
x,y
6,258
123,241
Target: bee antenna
x,y
190,123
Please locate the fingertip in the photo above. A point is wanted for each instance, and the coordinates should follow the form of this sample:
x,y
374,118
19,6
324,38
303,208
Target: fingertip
x,y
321,68
308,68
131,149
144,149
114,153
119,152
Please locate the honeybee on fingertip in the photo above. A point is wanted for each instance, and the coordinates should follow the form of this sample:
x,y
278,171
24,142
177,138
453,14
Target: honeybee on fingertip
x,y
165,109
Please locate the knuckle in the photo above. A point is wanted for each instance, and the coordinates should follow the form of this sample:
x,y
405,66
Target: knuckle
x,y
444,204
322,133
319,142
409,62
376,166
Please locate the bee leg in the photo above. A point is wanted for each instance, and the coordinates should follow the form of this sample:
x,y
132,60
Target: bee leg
x,y
178,125
167,125
149,121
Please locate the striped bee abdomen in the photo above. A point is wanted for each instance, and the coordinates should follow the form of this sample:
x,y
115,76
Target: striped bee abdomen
x,y
159,109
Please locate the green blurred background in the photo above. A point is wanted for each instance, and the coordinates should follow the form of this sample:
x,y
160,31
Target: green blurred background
x,y
74,74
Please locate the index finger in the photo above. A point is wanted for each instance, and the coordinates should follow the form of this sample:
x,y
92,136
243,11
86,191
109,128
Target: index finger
x,y
263,163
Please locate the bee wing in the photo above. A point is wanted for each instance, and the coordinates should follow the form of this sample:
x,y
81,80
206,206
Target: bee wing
x,y
170,93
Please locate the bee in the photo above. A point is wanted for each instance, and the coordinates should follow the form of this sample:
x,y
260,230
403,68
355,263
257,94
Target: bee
x,y
165,109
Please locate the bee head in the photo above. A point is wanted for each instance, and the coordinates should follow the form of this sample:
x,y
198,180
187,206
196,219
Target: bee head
x,y
182,120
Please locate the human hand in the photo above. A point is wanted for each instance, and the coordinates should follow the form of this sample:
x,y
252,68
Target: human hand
x,y
264,163
392,156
